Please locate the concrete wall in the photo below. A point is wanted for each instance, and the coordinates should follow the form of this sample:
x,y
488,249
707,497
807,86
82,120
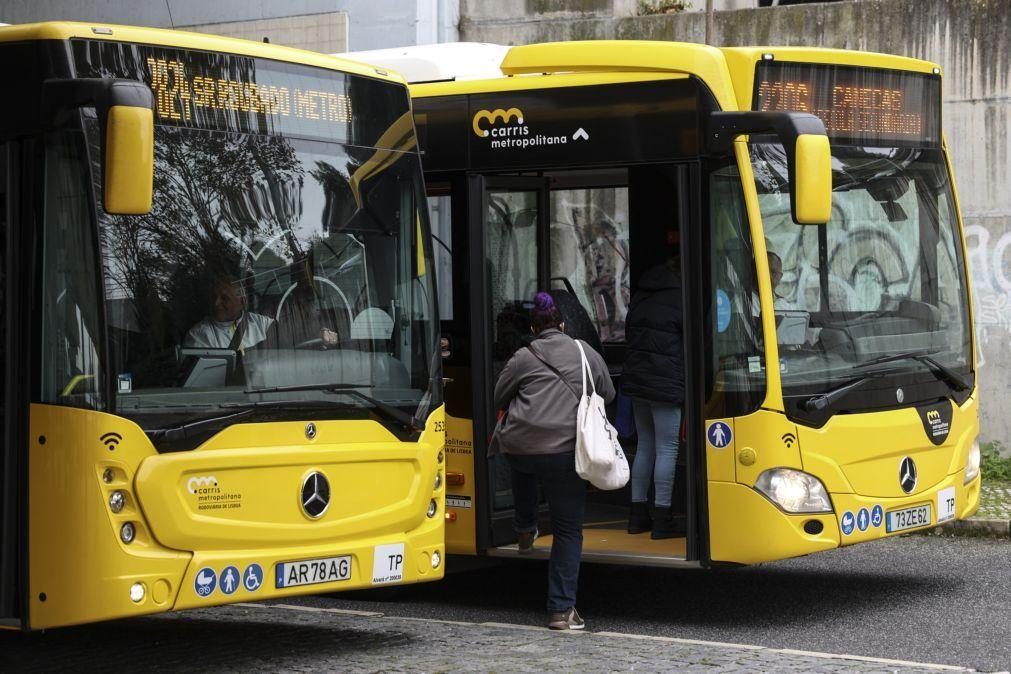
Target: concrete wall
x,y
372,24
969,38
326,33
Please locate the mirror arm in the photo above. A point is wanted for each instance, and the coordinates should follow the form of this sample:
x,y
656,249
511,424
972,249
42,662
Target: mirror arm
x,y
62,96
725,127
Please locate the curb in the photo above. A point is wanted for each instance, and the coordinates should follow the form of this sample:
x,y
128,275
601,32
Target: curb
x,y
990,528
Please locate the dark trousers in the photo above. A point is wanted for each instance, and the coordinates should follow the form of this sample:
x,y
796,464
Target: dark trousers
x,y
566,494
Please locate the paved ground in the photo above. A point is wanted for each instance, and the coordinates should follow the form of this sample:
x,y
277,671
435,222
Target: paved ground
x,y
921,598
277,638
994,501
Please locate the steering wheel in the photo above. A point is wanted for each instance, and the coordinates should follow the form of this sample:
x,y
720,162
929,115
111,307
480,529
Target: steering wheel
x,y
324,283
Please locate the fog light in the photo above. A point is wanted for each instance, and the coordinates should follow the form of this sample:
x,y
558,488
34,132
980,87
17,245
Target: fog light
x,y
433,508
441,457
116,501
137,593
794,491
972,462
438,479
126,532
108,474
436,559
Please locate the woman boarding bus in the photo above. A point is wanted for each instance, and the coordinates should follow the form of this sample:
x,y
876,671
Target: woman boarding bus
x,y
835,408
221,376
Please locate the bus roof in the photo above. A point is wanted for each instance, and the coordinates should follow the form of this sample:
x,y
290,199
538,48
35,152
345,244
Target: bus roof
x,y
66,30
446,69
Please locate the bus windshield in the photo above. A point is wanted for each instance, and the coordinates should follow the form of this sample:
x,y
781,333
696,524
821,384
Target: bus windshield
x,y
880,291
265,263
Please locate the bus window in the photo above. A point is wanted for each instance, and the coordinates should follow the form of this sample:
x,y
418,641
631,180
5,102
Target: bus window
x,y
735,376
72,372
589,247
512,263
440,216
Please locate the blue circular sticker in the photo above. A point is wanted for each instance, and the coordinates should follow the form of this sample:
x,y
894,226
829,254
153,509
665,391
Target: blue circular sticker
x,y
722,310
719,434
847,522
205,582
863,519
877,516
229,580
252,579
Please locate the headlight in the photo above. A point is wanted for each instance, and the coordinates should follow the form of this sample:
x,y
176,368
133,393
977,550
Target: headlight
x,y
794,491
972,462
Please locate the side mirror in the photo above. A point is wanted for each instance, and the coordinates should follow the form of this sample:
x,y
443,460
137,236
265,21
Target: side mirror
x,y
125,113
809,157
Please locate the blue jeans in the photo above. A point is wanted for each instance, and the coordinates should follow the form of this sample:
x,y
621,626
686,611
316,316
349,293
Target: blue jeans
x,y
656,455
566,494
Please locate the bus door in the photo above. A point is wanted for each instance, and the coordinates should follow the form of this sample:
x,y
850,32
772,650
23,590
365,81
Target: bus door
x,y
508,226
11,414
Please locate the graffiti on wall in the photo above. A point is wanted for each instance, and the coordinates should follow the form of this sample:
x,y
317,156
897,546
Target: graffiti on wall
x,y
990,264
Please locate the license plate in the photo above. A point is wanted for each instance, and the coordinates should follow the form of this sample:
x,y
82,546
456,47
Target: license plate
x,y
907,518
312,571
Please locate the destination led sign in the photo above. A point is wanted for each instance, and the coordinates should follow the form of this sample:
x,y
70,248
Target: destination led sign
x,y
861,106
226,92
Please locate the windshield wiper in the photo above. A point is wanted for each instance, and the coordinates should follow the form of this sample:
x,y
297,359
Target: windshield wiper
x,y
817,403
385,409
181,431
943,373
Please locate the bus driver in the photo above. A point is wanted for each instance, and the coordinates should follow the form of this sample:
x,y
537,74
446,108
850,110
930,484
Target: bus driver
x,y
229,325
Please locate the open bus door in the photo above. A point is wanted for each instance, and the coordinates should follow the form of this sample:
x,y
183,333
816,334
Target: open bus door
x,y
12,412
508,244
511,247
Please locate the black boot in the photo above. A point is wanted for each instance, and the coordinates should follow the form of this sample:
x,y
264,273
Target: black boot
x,y
639,520
666,524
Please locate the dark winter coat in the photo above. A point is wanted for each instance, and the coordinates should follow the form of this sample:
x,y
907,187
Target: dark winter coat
x,y
654,367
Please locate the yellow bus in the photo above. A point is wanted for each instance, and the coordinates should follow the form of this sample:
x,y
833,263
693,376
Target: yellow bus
x,y
221,370
831,392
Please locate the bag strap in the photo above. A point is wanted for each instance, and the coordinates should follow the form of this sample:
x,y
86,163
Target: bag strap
x,y
585,369
557,374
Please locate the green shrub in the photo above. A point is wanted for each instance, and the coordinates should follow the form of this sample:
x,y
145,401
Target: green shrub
x,y
992,465
650,7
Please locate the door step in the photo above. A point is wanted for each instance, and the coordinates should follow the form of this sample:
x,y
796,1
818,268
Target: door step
x,y
612,546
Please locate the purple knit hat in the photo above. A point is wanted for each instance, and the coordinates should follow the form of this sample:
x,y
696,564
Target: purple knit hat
x,y
545,314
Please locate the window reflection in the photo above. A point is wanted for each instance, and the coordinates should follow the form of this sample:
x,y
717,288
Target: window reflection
x,y
267,262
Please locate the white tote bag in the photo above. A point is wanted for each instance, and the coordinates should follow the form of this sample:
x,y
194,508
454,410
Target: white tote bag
x,y
599,457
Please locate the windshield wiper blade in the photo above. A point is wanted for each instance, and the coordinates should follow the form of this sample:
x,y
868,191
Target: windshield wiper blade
x,y
181,431
943,372
817,403
385,409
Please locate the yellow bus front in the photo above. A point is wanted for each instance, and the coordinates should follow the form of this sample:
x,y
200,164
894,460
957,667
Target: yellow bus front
x,y
235,396
857,354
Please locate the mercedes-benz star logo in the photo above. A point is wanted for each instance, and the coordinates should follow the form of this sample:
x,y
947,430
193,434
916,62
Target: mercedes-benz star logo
x,y
907,475
315,494
310,430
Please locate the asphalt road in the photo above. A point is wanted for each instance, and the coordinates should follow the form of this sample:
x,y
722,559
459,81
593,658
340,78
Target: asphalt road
x,y
919,598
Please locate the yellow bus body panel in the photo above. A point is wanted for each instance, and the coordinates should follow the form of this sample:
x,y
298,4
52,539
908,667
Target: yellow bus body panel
x,y
234,501
461,500
856,456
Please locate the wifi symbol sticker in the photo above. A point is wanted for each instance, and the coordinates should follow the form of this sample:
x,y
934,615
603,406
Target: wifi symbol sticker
x,y
789,439
111,440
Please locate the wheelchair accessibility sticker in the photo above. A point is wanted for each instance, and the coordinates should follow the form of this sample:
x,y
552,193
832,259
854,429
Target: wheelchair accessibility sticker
x,y
719,434
252,579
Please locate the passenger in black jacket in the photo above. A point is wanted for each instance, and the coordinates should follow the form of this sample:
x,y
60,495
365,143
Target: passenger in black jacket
x,y
653,376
